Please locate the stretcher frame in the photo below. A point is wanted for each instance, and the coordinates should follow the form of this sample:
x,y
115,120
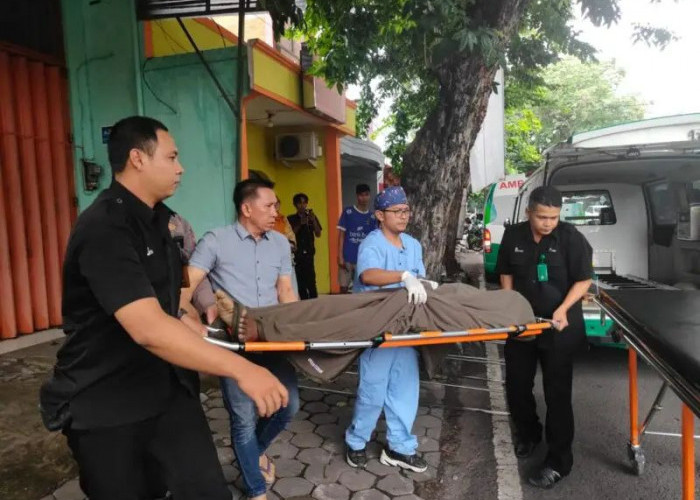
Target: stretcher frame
x,y
688,395
389,340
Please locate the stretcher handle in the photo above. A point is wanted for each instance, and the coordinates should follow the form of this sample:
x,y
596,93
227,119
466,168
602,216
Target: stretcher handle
x,y
513,330
452,340
388,340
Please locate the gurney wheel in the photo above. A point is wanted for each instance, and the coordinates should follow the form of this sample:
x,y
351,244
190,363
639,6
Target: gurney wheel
x,y
637,459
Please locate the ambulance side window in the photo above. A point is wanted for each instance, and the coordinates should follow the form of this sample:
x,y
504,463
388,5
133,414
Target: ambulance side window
x,y
588,208
663,205
664,212
693,192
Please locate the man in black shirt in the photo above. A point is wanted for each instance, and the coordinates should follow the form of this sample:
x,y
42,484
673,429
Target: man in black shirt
x,y
122,390
550,264
306,228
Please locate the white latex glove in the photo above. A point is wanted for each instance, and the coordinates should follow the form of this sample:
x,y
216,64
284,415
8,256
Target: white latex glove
x,y
432,284
416,291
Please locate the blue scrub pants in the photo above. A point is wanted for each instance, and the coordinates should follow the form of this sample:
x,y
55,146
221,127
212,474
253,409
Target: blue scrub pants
x,y
389,381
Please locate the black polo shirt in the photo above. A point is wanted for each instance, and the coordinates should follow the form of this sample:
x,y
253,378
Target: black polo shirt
x,y
119,251
568,256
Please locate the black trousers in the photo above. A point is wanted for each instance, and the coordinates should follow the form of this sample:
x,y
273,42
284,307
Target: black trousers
x,y
557,376
174,449
306,276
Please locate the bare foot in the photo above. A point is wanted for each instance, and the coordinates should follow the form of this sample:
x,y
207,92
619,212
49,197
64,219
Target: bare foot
x,y
247,328
226,307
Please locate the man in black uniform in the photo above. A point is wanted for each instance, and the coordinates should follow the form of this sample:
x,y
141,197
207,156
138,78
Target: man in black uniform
x,y
122,391
550,263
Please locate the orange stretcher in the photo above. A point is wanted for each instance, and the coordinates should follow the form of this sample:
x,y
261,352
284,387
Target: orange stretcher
x,y
663,327
388,340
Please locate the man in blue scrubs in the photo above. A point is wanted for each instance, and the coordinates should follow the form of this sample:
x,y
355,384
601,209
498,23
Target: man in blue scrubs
x,y
389,378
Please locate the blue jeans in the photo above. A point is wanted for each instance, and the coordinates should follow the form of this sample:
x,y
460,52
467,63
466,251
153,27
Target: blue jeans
x,y
250,434
388,380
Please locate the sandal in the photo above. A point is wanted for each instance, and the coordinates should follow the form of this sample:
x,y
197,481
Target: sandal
x,y
234,314
267,470
229,309
219,330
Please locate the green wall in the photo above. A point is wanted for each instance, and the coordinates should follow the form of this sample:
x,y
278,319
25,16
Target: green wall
x,y
101,48
182,95
110,79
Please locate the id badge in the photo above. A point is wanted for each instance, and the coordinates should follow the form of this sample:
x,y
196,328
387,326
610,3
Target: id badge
x,y
542,273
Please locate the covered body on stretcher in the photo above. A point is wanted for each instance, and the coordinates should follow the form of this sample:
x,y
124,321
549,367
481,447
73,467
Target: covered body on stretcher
x,y
364,316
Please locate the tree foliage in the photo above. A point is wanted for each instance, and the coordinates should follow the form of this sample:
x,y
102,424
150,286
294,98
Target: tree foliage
x,y
394,49
435,59
523,128
575,97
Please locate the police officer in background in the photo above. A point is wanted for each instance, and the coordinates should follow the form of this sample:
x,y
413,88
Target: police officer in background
x,y
550,263
123,390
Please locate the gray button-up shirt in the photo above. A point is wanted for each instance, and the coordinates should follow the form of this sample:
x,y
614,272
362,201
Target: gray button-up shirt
x,y
243,267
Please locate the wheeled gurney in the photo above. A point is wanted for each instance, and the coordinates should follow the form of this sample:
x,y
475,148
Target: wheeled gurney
x,y
663,327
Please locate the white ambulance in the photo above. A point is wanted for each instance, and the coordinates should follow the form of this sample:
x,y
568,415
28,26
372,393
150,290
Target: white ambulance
x,y
498,209
634,191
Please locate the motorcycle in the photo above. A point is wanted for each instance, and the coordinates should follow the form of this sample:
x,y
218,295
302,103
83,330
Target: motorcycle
x,y
475,235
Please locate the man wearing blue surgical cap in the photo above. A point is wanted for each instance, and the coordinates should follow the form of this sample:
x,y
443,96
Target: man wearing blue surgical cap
x,y
389,378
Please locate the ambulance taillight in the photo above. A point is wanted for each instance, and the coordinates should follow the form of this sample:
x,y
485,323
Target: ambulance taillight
x,y
487,241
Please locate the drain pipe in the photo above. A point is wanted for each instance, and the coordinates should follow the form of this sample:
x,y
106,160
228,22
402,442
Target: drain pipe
x,y
239,86
204,62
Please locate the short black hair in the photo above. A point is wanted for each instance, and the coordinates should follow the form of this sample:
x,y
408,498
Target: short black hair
x,y
300,197
547,196
248,189
362,188
134,132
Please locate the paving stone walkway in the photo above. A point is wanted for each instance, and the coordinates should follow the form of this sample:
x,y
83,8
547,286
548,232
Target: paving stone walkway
x,y
310,454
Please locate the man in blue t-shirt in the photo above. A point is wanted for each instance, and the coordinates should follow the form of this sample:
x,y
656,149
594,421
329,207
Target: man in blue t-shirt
x,y
389,378
355,223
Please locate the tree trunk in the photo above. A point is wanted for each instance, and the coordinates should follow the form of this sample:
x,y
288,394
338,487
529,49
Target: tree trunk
x,y
436,164
449,261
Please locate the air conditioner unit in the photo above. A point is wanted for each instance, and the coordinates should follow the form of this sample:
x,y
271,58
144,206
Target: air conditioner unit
x,y
296,146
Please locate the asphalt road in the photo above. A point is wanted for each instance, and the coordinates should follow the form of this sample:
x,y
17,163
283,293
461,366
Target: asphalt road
x,y
601,469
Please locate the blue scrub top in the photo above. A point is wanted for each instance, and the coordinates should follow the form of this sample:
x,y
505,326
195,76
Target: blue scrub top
x,y
376,252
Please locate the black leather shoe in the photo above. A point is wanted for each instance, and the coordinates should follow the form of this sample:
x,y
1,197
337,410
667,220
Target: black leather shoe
x,y
545,478
525,449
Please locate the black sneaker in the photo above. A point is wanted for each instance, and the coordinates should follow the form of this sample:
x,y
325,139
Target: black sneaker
x,y
356,458
410,462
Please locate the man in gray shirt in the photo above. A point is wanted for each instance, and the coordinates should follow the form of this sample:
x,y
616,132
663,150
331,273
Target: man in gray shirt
x,y
252,263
